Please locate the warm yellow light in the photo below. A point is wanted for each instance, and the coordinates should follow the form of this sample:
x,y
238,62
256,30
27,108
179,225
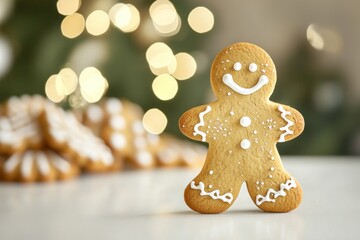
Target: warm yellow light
x,y
186,66
159,55
201,19
126,17
72,25
67,7
165,87
169,30
67,81
314,37
154,121
170,69
97,22
51,91
92,84
134,21
164,14
165,19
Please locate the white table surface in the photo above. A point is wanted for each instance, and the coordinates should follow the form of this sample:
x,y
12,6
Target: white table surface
x,y
149,205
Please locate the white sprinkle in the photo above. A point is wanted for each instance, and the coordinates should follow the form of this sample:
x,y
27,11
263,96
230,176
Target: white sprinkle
x,y
257,188
263,70
255,132
210,186
257,182
272,168
232,113
229,93
262,183
272,158
227,60
211,172
230,151
270,176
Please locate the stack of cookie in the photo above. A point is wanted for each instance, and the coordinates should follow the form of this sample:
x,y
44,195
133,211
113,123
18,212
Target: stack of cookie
x,y
39,141
25,154
119,123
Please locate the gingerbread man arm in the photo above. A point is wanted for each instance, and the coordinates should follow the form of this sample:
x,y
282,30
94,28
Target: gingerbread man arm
x,y
294,123
192,121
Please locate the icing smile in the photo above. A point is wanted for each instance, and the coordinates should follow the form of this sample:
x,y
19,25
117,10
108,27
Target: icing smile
x,y
229,81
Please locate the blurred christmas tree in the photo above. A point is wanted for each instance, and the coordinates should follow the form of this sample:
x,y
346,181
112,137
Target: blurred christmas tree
x,y
331,124
115,38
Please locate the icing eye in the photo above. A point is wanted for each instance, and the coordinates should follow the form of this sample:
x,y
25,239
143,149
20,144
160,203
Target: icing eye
x,y
252,67
237,66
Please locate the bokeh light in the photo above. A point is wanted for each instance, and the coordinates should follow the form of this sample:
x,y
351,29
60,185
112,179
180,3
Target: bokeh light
x,y
201,19
68,7
154,121
67,81
51,91
314,38
97,22
159,55
166,20
126,17
92,84
186,66
72,25
165,87
6,56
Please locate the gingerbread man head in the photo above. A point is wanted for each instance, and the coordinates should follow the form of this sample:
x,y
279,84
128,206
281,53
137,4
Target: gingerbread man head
x,y
242,128
238,70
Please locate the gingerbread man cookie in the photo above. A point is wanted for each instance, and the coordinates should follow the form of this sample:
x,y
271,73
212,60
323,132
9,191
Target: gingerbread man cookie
x,y
242,128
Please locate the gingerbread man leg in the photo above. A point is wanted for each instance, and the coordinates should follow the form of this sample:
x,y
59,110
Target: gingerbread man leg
x,y
214,189
280,193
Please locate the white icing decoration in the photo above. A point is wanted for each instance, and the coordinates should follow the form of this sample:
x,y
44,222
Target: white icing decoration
x,y
237,66
42,162
118,141
283,186
252,67
144,158
27,163
11,163
117,122
227,197
94,113
60,163
229,81
138,127
289,124
113,106
245,144
201,124
245,121
140,142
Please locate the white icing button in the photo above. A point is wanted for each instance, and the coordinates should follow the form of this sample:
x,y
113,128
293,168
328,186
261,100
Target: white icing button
x,y
117,122
252,67
94,113
245,121
118,141
237,66
245,144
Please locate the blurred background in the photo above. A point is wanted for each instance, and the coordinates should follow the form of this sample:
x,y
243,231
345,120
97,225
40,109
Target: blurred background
x,y
158,54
